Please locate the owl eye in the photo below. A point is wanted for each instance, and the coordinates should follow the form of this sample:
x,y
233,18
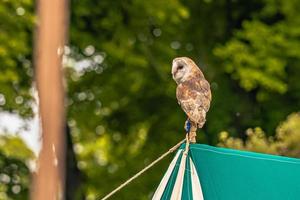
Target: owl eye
x,y
180,67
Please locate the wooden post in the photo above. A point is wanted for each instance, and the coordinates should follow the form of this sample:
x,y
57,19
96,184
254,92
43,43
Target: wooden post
x,y
49,180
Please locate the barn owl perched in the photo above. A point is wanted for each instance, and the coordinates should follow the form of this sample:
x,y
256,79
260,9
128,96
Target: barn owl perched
x,y
193,92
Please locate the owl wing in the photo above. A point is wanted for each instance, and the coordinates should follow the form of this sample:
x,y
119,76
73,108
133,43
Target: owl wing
x,y
194,97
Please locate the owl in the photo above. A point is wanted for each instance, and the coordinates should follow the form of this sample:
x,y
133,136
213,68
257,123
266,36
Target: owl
x,y
193,92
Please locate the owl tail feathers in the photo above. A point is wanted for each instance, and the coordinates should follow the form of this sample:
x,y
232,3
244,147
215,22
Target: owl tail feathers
x,y
191,129
200,125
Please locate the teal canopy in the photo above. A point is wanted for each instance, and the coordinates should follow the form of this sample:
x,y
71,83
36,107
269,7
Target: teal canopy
x,y
212,173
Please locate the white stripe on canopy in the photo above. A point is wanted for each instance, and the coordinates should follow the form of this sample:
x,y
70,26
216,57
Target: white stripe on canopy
x,y
178,186
177,190
160,189
196,187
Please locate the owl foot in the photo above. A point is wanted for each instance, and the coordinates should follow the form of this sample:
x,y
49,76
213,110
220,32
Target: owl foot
x,y
192,136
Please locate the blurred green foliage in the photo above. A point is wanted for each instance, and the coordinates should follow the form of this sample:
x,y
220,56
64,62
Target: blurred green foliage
x,y
16,70
285,141
122,109
15,157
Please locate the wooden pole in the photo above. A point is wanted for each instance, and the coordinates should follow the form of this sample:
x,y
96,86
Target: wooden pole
x,y
49,180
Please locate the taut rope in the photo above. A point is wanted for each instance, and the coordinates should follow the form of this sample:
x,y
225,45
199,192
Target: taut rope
x,y
143,170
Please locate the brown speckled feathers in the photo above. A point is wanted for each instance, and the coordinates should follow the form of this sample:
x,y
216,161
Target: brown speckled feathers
x,y
194,97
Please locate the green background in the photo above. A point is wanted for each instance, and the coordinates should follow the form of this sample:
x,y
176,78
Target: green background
x,y
121,107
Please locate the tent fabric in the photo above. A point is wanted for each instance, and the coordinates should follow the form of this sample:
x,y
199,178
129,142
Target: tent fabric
x,y
213,173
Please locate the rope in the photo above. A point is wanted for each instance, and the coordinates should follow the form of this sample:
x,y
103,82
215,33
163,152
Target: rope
x,y
187,146
171,150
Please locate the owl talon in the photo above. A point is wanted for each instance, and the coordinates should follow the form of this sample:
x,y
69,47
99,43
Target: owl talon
x,y
192,136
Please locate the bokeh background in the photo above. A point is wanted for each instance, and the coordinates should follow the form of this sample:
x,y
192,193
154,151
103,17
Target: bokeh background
x,y
121,107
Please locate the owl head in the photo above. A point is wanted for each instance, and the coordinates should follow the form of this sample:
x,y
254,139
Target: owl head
x,y
184,68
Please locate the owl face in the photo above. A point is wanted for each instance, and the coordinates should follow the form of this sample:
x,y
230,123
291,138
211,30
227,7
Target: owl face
x,y
181,69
